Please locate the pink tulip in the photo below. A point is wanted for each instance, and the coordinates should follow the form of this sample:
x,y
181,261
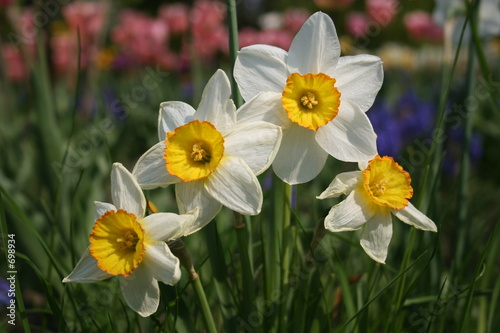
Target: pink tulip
x,y
294,18
382,11
14,63
209,32
356,24
176,16
143,39
420,26
87,18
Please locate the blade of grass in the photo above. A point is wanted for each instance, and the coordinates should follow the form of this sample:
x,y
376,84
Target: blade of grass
x,y
19,297
16,211
381,292
495,301
477,270
465,158
248,303
220,278
286,255
47,288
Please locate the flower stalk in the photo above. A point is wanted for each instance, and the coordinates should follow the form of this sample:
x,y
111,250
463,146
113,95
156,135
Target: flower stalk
x,y
205,307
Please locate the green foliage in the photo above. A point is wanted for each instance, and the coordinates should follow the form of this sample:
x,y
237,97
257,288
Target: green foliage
x,y
260,274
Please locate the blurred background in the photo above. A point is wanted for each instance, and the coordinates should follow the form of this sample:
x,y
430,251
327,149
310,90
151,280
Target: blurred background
x,y
81,83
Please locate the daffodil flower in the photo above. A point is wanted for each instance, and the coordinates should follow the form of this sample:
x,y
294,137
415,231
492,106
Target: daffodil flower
x,y
127,244
211,159
316,96
381,188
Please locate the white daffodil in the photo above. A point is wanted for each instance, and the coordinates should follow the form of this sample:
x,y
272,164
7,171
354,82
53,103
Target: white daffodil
x,y
212,159
126,244
316,96
382,188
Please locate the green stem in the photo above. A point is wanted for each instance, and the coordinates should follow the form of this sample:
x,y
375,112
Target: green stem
x,y
465,160
285,261
232,22
205,307
248,303
435,154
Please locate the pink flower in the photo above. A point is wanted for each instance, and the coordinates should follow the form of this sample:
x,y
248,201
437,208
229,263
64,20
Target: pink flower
x,y
294,18
356,24
382,11
420,26
208,29
14,63
280,38
176,16
141,38
207,15
248,36
333,4
64,55
86,17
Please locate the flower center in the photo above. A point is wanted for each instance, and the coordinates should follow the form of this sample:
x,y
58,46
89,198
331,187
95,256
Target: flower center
x,y
117,242
311,100
386,183
193,151
128,241
199,154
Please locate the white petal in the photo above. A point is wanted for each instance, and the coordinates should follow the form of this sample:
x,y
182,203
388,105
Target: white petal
x,y
168,226
348,215
362,165
376,236
359,79
141,291
161,263
126,192
256,143
265,106
414,217
299,157
315,48
216,105
173,115
101,208
86,270
260,68
151,170
343,183
349,136
192,195
235,186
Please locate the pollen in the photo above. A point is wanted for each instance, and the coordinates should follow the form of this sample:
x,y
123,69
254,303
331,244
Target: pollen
x,y
199,154
311,100
128,241
386,183
193,151
117,242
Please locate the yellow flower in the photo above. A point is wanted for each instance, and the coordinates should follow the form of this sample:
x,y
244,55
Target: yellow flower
x,y
382,188
318,98
193,151
126,244
212,160
311,100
